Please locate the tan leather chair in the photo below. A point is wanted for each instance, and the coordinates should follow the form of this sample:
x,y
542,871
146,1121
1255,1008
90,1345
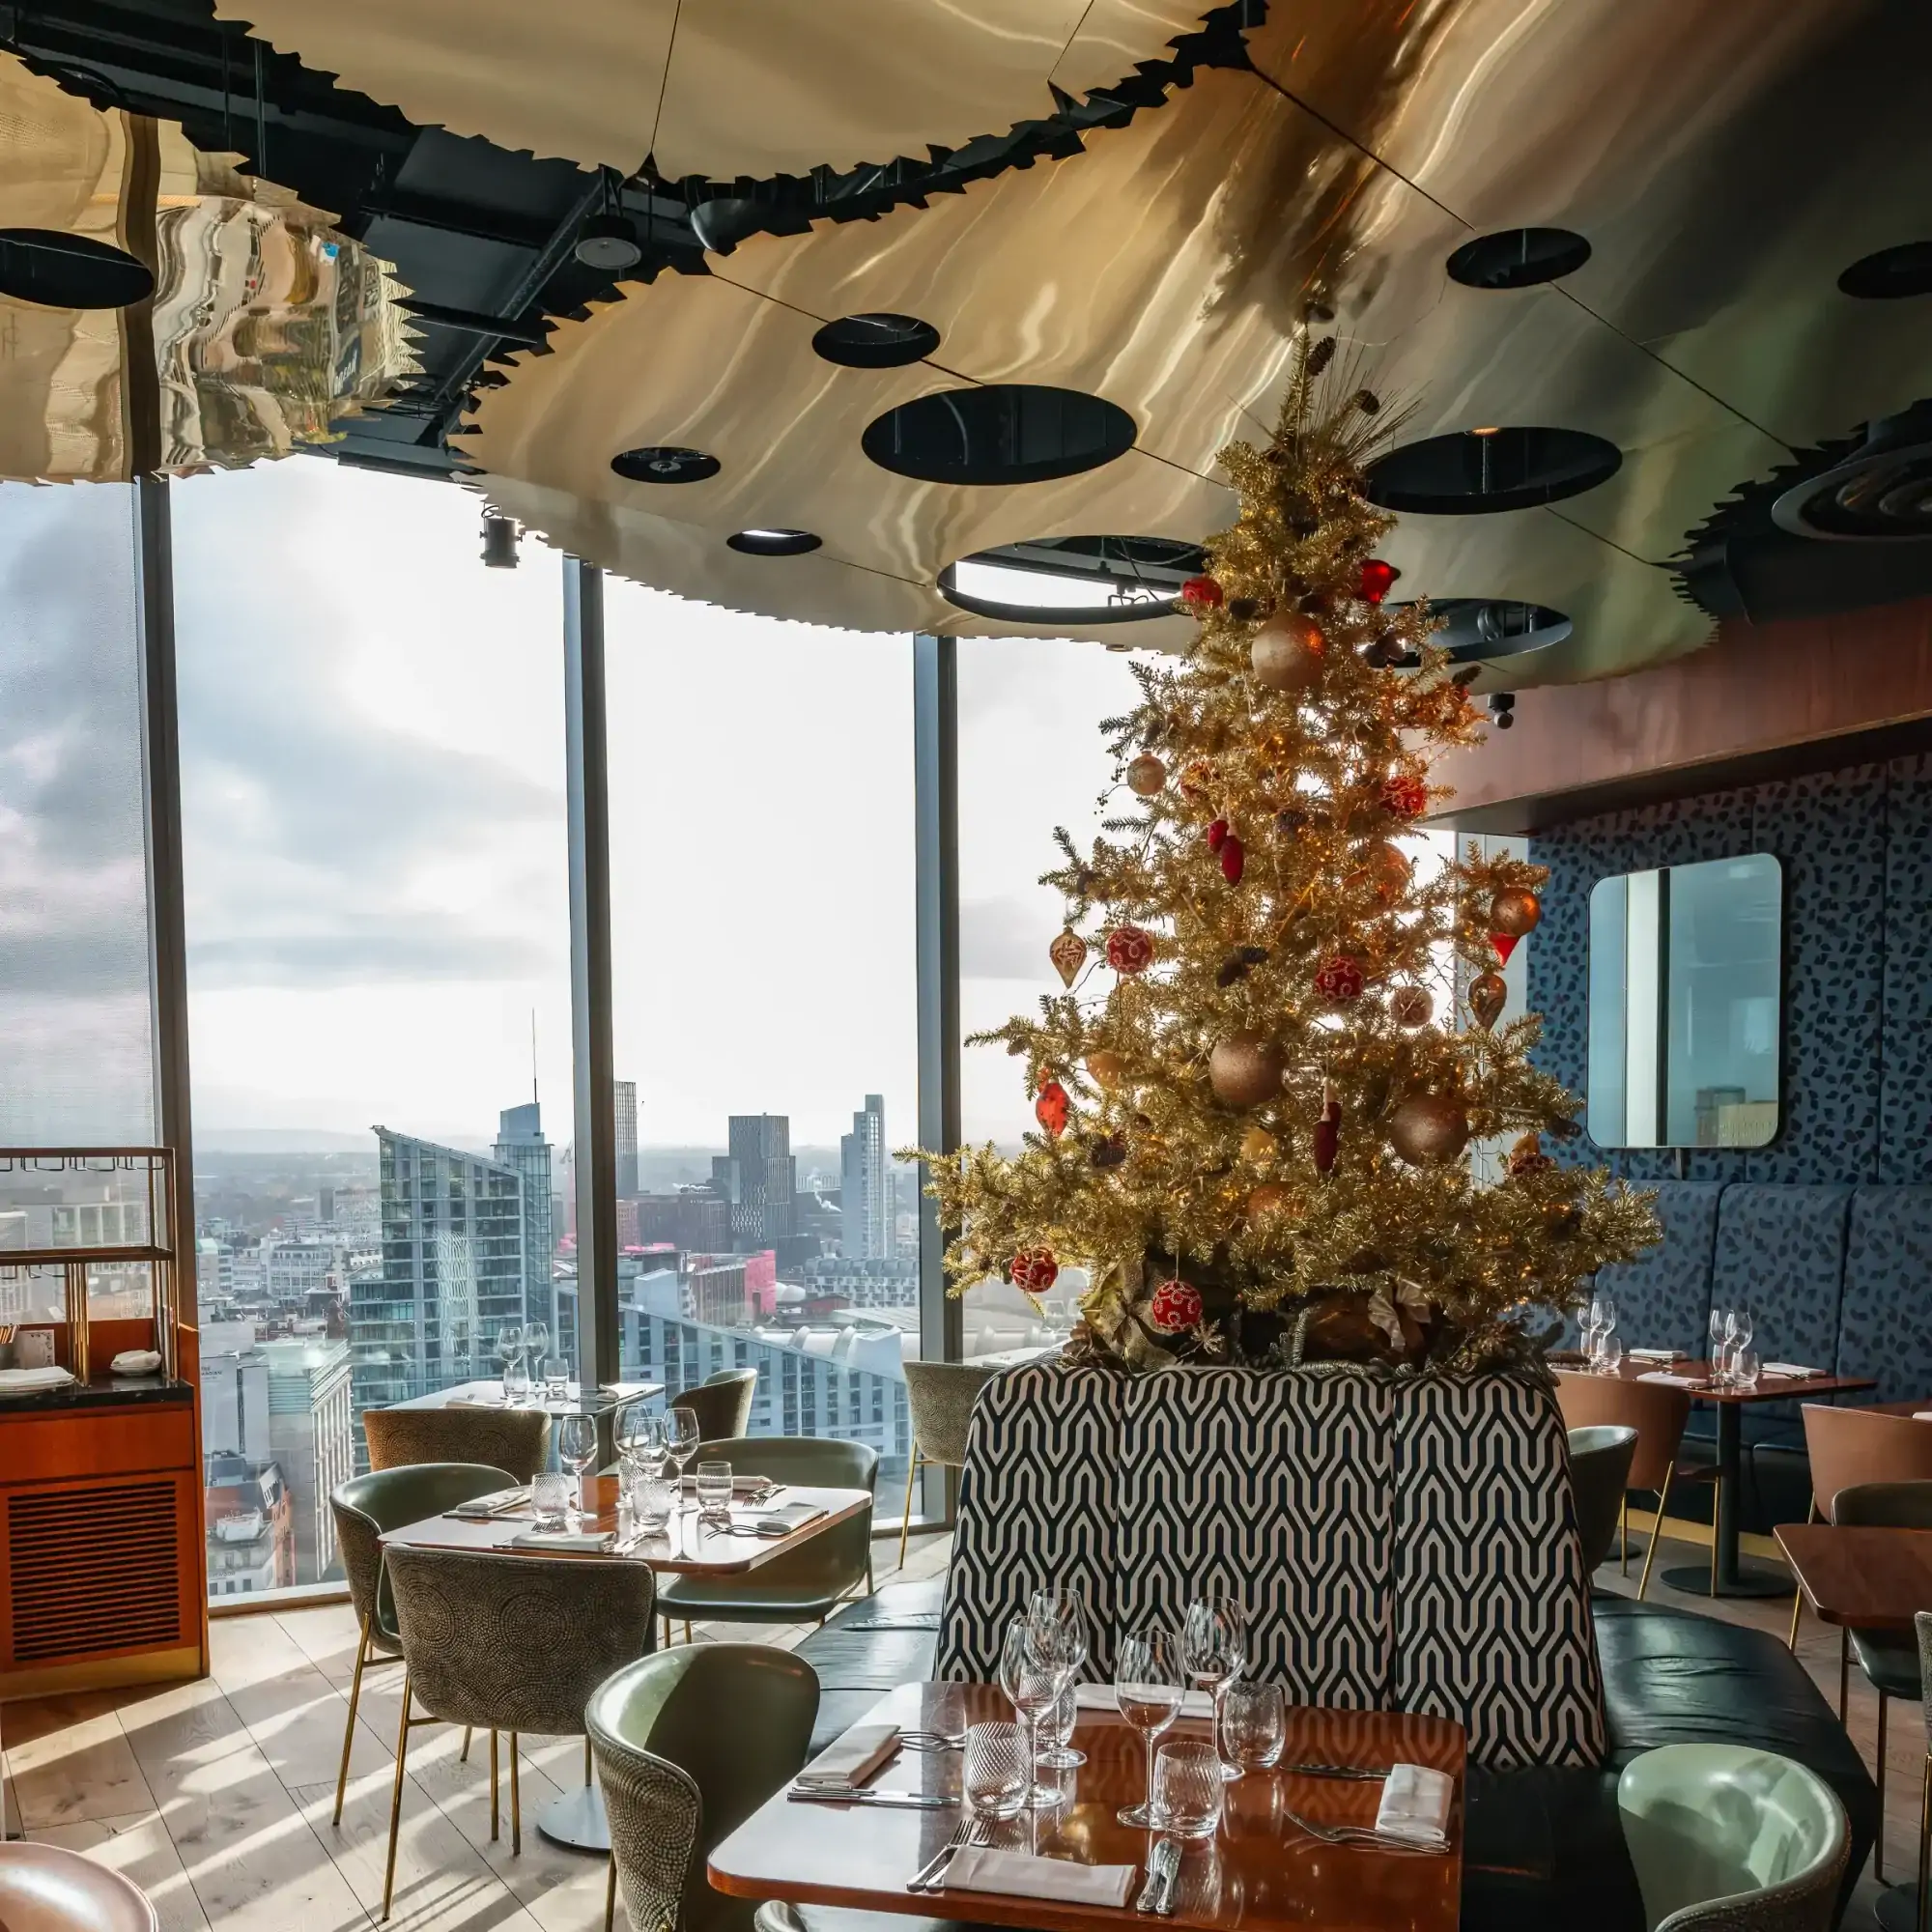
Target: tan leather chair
x,y
1658,1413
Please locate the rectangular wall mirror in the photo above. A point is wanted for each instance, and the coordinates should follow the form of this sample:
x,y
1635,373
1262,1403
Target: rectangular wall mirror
x,y
1685,985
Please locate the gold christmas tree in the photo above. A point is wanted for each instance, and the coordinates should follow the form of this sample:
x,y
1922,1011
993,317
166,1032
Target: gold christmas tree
x,y
1254,1102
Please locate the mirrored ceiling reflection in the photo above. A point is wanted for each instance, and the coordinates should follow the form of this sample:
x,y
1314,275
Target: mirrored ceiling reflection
x,y
250,325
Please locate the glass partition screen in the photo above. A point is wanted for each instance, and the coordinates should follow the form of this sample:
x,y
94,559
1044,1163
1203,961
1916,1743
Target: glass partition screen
x,y
1684,1005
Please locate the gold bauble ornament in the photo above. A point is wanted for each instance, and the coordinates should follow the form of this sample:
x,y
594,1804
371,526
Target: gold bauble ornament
x,y
1269,1199
1412,1007
1245,1069
1488,995
1287,653
1145,776
1107,1070
1258,1145
1389,871
1515,911
1429,1129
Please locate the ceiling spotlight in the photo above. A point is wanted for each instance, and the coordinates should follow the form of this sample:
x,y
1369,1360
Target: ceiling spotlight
x,y
608,244
773,542
499,541
1502,709
1487,429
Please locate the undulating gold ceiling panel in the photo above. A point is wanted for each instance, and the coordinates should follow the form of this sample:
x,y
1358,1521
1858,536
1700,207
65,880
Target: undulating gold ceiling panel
x,y
721,88
264,324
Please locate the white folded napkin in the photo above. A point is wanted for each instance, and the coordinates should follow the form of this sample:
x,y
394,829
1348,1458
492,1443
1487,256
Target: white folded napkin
x,y
1657,1355
1676,1381
479,1509
24,1381
136,1363
1021,1875
1104,1697
1792,1371
783,1519
1921,1415
847,1763
1415,1803
563,1539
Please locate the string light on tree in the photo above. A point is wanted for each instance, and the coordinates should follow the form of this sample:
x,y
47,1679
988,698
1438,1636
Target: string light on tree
x,y
1289,1161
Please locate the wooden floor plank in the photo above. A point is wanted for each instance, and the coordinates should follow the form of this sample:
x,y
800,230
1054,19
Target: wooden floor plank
x,y
63,1774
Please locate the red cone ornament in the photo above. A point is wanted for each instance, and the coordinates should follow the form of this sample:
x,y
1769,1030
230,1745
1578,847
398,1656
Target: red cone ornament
x,y
1052,1108
1217,835
1201,593
1233,859
1377,579
1505,945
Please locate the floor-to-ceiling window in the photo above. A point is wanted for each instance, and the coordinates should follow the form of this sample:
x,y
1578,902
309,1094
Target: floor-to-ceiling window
x,y
764,969
378,946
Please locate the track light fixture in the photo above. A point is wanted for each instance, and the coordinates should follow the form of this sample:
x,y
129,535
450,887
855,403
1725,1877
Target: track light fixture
x,y
608,241
499,542
1502,709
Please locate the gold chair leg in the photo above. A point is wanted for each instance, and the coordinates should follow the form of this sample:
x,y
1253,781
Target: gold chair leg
x,y
1924,1839
396,1796
462,1756
1624,1535
348,1729
1879,1779
1797,1595
1656,1529
905,1521
688,1637
586,1763
1844,1670
494,1805
516,1804
1716,1509
611,1896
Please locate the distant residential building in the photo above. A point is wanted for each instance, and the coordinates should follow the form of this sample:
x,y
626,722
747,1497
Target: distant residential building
x,y
293,1270
251,1544
312,1436
627,1137
865,1185
696,1219
763,1179
520,1144
878,1283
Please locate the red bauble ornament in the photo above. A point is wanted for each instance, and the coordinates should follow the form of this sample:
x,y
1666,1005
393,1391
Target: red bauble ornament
x,y
1340,979
1377,579
1217,835
1233,858
1201,593
1329,1129
1505,945
1052,1108
1175,1308
1405,796
1129,949
1033,1270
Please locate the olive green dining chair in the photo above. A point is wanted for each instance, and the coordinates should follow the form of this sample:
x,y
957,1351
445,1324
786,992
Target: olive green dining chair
x,y
1600,1466
363,1509
810,1581
688,1744
516,1439
510,1644
939,1398
1728,1839
723,1405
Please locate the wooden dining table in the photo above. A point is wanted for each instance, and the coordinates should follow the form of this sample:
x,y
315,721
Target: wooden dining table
x,y
1260,1871
1727,1575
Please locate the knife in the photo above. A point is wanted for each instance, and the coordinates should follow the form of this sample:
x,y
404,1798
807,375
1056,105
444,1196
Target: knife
x,y
909,1801
1356,1771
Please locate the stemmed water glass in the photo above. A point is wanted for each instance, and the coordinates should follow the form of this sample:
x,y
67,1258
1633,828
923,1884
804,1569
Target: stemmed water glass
x,y
1215,1651
1061,1617
1035,1666
576,1448
510,1351
681,1437
536,1345
1719,1316
1146,1681
1738,1329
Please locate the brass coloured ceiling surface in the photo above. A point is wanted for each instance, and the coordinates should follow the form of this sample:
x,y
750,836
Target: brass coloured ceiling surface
x,y
721,88
1167,269
263,325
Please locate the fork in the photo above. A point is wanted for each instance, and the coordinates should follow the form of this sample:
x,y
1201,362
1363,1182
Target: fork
x,y
1361,1835
931,1876
930,1740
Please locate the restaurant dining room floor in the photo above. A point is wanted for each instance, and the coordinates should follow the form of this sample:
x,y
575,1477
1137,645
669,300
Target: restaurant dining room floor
x,y
215,1797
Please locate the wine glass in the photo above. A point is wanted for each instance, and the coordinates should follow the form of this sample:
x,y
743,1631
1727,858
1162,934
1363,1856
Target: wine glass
x,y
1743,1326
1215,1651
1593,1325
1719,1318
576,1447
641,1442
1033,1675
1146,1681
536,1345
1059,1618
510,1353
681,1434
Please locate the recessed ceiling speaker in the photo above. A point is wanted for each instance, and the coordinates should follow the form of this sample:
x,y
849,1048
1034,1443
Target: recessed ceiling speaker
x,y
1517,258
1882,493
773,543
1890,273
60,271
664,463
1479,471
998,433
876,341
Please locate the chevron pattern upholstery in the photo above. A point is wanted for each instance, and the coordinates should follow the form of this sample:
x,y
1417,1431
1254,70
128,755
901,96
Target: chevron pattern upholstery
x,y
1398,1545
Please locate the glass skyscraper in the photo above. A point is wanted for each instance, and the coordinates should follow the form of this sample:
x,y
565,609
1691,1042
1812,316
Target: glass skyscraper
x,y
866,1186
520,1144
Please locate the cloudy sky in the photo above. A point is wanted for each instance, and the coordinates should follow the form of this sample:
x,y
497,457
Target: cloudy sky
x,y
373,795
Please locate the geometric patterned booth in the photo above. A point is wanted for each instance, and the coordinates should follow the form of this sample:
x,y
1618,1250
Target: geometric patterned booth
x,y
1398,1545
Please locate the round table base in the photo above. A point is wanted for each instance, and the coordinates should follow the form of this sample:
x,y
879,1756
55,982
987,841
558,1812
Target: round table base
x,y
1695,1581
577,1820
1898,1908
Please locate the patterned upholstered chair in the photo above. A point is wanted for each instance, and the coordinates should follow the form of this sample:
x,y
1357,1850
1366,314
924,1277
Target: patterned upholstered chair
x,y
814,1576
1889,1659
1730,1839
516,1439
688,1744
511,1643
1600,1466
363,1509
723,1405
940,1396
